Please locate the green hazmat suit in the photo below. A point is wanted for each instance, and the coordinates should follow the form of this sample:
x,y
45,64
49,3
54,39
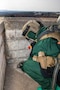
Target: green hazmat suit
x,y
32,68
50,47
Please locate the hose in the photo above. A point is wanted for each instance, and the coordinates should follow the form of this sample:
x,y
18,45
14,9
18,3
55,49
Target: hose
x,y
55,73
55,76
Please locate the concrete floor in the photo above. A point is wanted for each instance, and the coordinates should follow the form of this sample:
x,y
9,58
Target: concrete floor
x,y
17,80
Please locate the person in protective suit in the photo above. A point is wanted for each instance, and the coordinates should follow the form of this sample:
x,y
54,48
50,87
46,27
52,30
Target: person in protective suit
x,y
45,48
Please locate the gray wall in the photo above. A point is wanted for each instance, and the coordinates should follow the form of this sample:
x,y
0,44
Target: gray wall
x,y
16,44
2,56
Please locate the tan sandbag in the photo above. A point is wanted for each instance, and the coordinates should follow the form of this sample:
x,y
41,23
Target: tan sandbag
x,y
50,61
34,25
45,61
55,35
35,58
